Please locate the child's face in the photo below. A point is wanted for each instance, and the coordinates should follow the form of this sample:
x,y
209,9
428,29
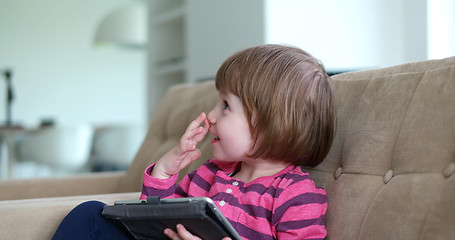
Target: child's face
x,y
230,127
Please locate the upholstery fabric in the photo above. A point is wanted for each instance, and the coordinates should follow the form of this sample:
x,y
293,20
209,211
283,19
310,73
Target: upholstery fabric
x,y
39,218
389,173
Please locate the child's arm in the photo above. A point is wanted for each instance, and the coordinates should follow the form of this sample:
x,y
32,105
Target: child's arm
x,y
300,212
185,152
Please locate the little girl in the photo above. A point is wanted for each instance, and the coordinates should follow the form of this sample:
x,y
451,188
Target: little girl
x,y
275,113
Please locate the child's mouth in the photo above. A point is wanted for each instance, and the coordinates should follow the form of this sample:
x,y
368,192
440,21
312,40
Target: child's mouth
x,y
215,139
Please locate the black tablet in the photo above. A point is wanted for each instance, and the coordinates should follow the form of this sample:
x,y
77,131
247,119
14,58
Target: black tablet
x,y
147,219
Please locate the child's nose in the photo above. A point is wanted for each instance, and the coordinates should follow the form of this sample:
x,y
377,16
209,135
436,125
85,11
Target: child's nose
x,y
211,117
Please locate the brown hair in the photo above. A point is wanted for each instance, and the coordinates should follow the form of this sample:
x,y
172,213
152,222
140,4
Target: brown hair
x,y
288,99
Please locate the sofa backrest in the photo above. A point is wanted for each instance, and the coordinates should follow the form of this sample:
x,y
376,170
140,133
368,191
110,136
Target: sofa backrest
x,y
180,105
389,173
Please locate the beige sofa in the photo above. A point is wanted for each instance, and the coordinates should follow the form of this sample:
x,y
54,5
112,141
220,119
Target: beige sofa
x,y
389,175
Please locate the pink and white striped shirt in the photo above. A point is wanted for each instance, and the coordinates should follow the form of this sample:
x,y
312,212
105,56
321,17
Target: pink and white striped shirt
x,y
286,205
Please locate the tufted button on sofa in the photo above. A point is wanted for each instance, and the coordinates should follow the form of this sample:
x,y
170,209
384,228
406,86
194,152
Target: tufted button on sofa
x,y
389,173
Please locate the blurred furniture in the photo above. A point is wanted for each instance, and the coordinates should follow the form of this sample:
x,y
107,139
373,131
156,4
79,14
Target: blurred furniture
x,y
7,149
65,148
389,174
114,146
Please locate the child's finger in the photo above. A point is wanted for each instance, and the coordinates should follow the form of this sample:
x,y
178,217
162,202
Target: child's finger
x,y
185,234
171,234
195,127
206,125
194,134
192,138
191,133
202,131
198,121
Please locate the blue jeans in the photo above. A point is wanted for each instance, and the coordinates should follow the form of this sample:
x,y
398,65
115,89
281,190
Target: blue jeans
x,y
86,222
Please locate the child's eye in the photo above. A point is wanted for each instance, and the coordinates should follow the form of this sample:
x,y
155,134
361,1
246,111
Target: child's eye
x,y
226,105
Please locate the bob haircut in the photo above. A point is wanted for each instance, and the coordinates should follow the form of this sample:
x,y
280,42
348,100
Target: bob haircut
x,y
287,98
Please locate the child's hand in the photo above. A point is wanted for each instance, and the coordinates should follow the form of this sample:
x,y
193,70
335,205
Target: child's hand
x,y
183,234
185,152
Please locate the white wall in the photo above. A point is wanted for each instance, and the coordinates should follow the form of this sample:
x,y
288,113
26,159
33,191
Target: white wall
x,y
58,71
351,34
441,26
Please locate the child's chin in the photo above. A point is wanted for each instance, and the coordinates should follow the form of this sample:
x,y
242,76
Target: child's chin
x,y
219,158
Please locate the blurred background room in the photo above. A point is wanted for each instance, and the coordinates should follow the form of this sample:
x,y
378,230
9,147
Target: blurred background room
x,y
80,80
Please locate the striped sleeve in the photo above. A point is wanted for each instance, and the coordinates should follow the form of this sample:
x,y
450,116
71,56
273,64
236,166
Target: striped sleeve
x,y
164,188
299,211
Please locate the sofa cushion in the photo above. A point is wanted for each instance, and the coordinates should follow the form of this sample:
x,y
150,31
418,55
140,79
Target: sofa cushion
x,y
39,218
389,174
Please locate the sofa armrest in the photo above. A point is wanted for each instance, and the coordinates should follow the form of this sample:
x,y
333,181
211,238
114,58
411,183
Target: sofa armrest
x,y
86,184
39,218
